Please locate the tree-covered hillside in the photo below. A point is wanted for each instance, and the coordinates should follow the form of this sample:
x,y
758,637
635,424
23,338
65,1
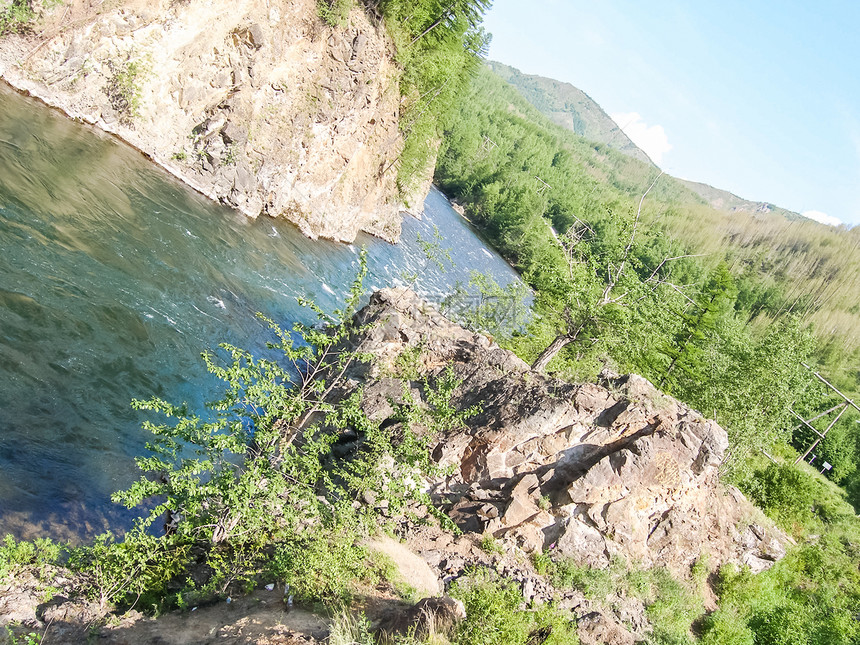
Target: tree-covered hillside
x,y
570,108
719,308
633,270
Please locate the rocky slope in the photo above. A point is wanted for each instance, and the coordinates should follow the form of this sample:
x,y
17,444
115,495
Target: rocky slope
x,y
597,472
255,103
723,200
589,470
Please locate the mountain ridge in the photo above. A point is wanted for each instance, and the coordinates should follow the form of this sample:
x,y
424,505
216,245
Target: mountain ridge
x,y
573,109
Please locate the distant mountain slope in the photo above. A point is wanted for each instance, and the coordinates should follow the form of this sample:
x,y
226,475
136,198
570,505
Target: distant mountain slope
x,y
570,108
573,109
723,200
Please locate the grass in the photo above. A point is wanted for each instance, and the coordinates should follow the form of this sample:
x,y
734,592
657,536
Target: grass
x,y
494,615
334,13
671,605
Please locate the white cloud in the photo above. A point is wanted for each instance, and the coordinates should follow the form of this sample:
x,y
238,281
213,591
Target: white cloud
x,y
651,138
824,218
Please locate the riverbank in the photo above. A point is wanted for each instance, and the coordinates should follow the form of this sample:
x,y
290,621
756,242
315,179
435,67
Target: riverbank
x,y
264,108
542,478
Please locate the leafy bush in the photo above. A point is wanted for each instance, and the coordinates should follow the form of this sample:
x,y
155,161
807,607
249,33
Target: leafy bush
x,y
439,47
137,568
15,555
494,616
320,569
810,596
251,488
334,13
797,499
16,17
124,87
670,604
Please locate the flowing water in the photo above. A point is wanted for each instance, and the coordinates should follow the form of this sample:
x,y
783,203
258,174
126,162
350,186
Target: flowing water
x,y
114,277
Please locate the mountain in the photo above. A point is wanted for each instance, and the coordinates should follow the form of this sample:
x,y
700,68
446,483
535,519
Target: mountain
x,y
570,108
573,109
723,200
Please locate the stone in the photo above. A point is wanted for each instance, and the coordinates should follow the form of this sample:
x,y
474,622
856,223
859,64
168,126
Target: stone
x,y
597,628
428,616
261,67
411,568
588,470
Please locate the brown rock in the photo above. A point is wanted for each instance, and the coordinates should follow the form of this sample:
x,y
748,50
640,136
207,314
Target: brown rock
x,y
592,469
428,616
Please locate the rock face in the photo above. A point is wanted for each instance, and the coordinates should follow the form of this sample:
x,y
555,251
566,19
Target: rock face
x,y
590,471
257,104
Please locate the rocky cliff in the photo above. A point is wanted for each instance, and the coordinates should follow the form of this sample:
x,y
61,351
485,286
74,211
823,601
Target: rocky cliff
x,y
255,103
591,471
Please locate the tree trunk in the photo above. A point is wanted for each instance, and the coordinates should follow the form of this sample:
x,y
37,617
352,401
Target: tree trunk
x,y
558,343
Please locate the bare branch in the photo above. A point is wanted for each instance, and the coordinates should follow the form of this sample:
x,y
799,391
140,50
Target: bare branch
x,y
677,257
612,282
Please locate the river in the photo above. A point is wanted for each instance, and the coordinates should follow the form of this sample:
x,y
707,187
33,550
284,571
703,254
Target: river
x,y
114,277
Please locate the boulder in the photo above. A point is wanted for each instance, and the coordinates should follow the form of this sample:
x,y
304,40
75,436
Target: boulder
x,y
437,615
588,470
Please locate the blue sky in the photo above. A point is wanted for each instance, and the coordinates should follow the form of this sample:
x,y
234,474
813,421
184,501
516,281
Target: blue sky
x,y
758,98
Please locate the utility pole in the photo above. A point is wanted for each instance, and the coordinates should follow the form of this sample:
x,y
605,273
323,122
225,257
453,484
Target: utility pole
x,y
839,408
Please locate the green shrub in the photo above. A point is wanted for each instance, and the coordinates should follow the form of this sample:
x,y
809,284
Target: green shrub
x,y
541,562
17,17
320,570
137,568
494,616
593,582
249,489
491,545
798,499
15,555
124,87
672,610
334,13
726,628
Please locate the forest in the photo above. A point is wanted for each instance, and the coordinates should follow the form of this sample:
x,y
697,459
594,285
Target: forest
x,y
725,311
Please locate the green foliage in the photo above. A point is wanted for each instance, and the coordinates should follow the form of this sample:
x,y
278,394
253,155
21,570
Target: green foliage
x,y
349,629
541,562
334,13
439,45
798,499
28,638
124,87
16,17
494,617
321,570
16,555
811,595
135,569
491,545
253,489
671,605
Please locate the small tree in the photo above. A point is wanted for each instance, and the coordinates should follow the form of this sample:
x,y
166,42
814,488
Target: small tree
x,y
584,296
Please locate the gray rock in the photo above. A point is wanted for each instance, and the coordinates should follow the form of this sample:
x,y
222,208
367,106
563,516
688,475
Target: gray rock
x,y
593,469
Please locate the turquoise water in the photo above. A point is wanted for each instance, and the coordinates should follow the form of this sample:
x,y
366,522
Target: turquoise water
x,y
114,277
